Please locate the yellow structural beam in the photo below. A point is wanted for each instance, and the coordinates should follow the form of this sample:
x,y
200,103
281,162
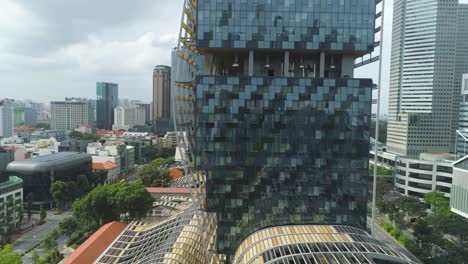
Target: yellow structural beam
x,y
190,47
187,58
193,3
190,16
188,29
185,86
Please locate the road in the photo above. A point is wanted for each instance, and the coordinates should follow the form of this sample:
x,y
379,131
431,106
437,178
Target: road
x,y
381,235
36,235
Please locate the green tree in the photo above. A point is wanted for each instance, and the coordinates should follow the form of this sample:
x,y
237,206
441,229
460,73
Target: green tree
x,y
7,256
84,136
49,243
35,257
411,207
108,203
29,199
438,202
59,192
43,125
82,184
52,257
422,232
68,226
163,179
99,177
43,215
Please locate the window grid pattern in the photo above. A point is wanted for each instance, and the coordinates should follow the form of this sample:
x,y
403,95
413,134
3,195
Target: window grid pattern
x,y
287,24
282,151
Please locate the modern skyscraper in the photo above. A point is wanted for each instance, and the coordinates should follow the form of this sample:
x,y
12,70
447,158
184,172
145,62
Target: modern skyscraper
x,y
6,118
429,50
70,115
282,127
162,92
107,101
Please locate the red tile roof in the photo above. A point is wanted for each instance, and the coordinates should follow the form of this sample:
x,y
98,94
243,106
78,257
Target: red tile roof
x,y
176,173
25,128
108,165
157,190
94,246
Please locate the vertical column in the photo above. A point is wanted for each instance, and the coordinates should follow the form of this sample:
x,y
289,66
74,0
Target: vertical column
x,y
286,64
322,64
251,63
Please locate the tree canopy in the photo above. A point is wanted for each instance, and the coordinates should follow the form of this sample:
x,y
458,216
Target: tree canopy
x,y
7,256
84,136
154,176
438,202
122,201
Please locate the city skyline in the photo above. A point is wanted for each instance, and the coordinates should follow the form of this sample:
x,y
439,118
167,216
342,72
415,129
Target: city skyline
x,y
150,36
71,66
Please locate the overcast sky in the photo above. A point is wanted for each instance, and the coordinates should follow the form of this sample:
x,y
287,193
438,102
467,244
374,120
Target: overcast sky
x,y
50,49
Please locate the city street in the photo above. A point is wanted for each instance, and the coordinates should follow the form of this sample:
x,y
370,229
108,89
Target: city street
x,y
36,235
381,235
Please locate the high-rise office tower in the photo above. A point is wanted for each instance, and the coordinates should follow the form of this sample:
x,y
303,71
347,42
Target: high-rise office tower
x,y
6,117
69,115
429,55
161,92
107,101
147,108
462,132
282,126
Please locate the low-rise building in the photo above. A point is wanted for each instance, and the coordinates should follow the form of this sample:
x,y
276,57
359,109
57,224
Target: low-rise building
x,y
416,177
11,199
74,145
39,173
110,167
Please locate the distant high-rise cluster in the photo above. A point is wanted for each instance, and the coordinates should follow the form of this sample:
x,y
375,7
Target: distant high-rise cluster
x,y
107,101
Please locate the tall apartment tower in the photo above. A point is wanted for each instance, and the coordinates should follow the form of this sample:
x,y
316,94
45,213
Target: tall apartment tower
x,y
6,117
107,101
69,115
429,56
282,126
162,92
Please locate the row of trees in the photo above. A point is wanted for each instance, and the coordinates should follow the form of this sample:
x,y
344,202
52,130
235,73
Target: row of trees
x,y
438,235
156,174
122,201
84,136
66,192
149,153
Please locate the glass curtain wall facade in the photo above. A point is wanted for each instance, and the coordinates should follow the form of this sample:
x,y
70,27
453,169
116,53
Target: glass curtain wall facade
x,y
282,127
107,101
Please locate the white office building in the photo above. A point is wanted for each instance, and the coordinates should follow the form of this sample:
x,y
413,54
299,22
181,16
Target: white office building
x,y
6,118
429,55
70,115
128,117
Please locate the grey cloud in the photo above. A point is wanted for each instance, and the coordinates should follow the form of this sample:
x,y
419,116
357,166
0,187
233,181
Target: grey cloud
x,y
66,22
